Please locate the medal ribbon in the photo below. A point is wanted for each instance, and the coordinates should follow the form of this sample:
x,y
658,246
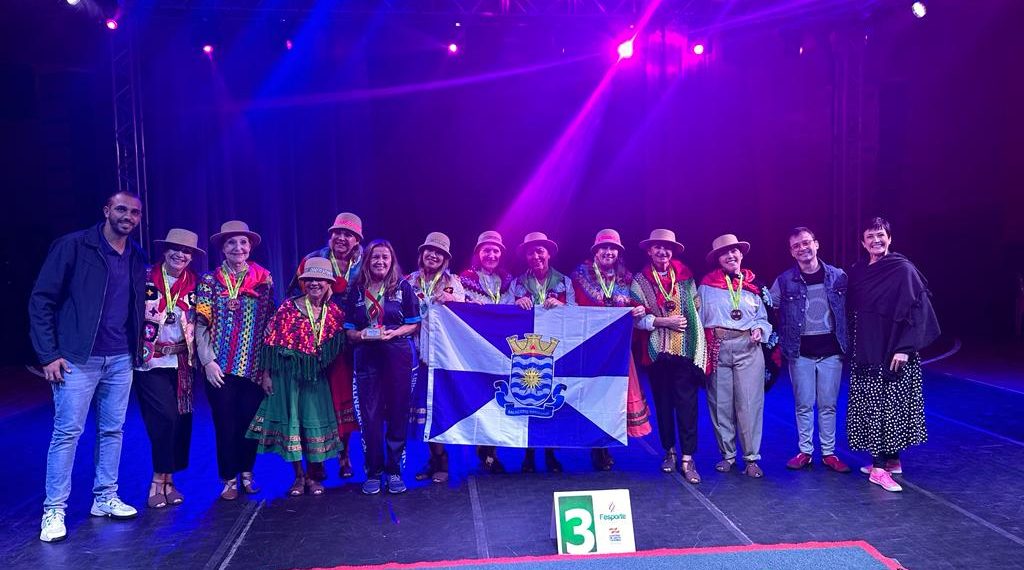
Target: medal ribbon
x,y
375,312
734,295
429,291
337,270
672,283
318,330
233,286
494,295
538,293
172,301
610,287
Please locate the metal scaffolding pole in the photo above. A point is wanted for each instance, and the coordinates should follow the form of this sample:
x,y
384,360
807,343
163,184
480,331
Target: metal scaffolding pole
x,y
129,139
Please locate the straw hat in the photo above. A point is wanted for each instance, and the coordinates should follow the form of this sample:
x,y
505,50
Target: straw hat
x,y
437,240
348,221
607,237
235,228
663,236
318,268
181,238
491,237
724,243
537,238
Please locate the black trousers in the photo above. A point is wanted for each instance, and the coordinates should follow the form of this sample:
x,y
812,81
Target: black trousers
x,y
234,405
384,373
170,433
675,381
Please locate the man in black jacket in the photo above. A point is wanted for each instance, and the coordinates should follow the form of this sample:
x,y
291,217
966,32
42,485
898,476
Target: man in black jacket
x,y
85,313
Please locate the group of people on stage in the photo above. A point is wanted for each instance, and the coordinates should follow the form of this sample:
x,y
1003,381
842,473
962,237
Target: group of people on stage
x,y
345,351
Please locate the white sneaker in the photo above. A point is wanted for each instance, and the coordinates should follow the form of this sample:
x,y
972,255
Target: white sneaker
x,y
114,508
53,529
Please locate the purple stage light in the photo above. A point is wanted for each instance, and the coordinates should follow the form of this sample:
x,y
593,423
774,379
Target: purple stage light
x,y
698,49
208,49
74,2
625,49
453,49
111,24
919,9
288,45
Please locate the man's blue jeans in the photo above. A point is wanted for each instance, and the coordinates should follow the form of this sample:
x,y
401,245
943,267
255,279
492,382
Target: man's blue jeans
x,y
816,379
108,380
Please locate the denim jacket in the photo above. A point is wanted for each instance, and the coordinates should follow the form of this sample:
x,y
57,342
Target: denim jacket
x,y
790,295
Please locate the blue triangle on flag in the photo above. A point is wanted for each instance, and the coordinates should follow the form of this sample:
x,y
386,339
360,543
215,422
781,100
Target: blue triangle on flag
x,y
459,394
597,356
494,323
568,428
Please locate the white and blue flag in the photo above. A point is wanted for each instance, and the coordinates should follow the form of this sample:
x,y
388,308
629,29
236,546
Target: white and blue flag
x,y
500,375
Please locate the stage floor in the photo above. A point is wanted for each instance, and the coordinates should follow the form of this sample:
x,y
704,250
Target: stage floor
x,y
961,506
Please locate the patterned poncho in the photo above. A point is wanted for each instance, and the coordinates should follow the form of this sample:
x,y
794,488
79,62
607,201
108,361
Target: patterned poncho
x,y
291,349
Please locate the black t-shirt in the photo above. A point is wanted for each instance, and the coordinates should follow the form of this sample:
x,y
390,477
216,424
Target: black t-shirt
x,y
816,344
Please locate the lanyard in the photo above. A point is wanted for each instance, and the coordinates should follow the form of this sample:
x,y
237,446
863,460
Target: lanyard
x,y
494,295
233,286
318,329
672,283
171,301
734,295
539,293
337,270
606,289
428,292
375,312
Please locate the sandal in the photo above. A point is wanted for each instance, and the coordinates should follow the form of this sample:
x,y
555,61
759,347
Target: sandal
x,y
668,464
427,472
551,462
601,459
753,470
441,475
689,469
345,467
174,497
298,487
724,466
249,484
230,491
157,500
316,488
492,465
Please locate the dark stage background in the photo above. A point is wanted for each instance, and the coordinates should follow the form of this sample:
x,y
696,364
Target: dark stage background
x,y
526,128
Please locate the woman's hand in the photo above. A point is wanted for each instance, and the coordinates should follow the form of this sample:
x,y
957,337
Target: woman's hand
x,y
899,360
638,311
214,374
444,297
756,335
387,334
552,302
677,323
267,384
525,303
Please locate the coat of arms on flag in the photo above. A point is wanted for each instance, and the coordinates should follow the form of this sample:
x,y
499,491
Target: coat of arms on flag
x,y
506,376
531,390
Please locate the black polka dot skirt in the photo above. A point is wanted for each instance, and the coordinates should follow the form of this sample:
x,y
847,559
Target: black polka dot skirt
x,y
885,413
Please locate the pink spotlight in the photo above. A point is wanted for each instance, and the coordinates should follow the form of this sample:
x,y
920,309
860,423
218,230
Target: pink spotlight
x,y
625,49
111,24
208,49
288,45
698,49
453,49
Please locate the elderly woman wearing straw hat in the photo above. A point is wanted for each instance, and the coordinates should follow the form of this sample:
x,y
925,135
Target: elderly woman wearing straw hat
x,y
736,323
296,419
382,315
234,303
545,287
603,281
163,381
432,283
345,254
486,283
673,347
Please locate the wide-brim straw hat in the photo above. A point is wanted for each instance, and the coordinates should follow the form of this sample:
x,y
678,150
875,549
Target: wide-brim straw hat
x,y
348,221
724,243
182,238
437,240
663,236
235,228
605,237
491,237
537,238
318,268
